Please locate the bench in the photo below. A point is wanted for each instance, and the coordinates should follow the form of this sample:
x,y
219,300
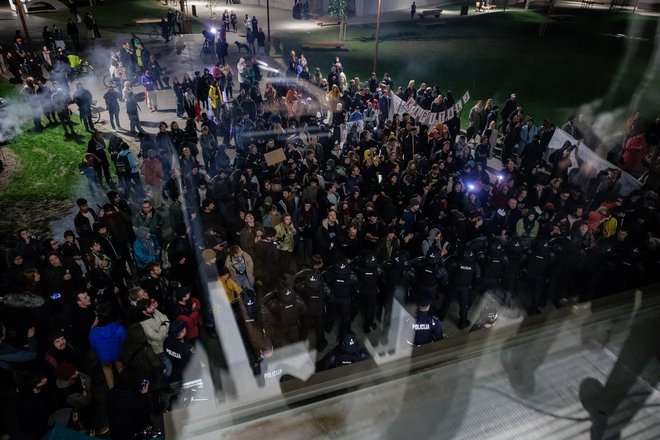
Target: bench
x,y
327,21
430,12
322,45
488,7
146,20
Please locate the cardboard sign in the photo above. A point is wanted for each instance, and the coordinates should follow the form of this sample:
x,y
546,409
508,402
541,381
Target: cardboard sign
x,y
274,157
466,97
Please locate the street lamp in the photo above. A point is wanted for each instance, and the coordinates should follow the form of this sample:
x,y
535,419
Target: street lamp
x,y
377,36
268,18
21,14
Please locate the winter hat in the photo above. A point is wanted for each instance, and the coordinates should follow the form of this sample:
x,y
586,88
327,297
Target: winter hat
x,y
176,327
56,334
424,302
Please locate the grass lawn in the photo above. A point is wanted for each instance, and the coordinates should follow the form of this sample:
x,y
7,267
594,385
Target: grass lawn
x,y
118,15
579,61
43,184
48,166
48,163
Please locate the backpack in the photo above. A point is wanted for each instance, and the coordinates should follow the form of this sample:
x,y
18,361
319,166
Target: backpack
x,y
122,165
289,315
249,298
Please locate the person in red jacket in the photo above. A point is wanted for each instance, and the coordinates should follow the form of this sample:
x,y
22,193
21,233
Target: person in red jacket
x,y
187,310
152,169
633,152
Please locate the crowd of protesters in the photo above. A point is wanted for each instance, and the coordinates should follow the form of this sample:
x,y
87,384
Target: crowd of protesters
x,y
261,185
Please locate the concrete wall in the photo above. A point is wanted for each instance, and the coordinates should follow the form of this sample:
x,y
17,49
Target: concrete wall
x,y
370,7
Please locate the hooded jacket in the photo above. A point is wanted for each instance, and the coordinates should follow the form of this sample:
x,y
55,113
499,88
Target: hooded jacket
x,y
106,341
430,240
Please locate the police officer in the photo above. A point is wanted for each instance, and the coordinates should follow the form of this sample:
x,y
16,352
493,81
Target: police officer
x,y
562,274
246,311
515,260
370,277
398,279
178,349
425,327
538,265
466,274
348,351
621,261
269,368
285,317
309,286
429,275
341,282
494,266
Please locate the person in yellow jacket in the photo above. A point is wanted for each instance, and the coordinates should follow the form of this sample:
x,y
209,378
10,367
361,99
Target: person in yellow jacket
x,y
74,61
216,99
286,243
232,289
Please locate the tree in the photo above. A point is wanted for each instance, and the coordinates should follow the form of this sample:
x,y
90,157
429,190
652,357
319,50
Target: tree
x,y
339,9
211,4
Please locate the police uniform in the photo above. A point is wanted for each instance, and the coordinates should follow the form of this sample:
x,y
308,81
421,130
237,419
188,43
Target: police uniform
x,y
425,327
620,263
537,272
179,351
347,352
515,260
370,276
311,290
341,282
428,276
562,274
494,266
466,273
285,317
398,279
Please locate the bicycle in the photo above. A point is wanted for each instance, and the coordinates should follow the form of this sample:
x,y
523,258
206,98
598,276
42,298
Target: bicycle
x,y
96,113
208,50
109,81
86,69
155,34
